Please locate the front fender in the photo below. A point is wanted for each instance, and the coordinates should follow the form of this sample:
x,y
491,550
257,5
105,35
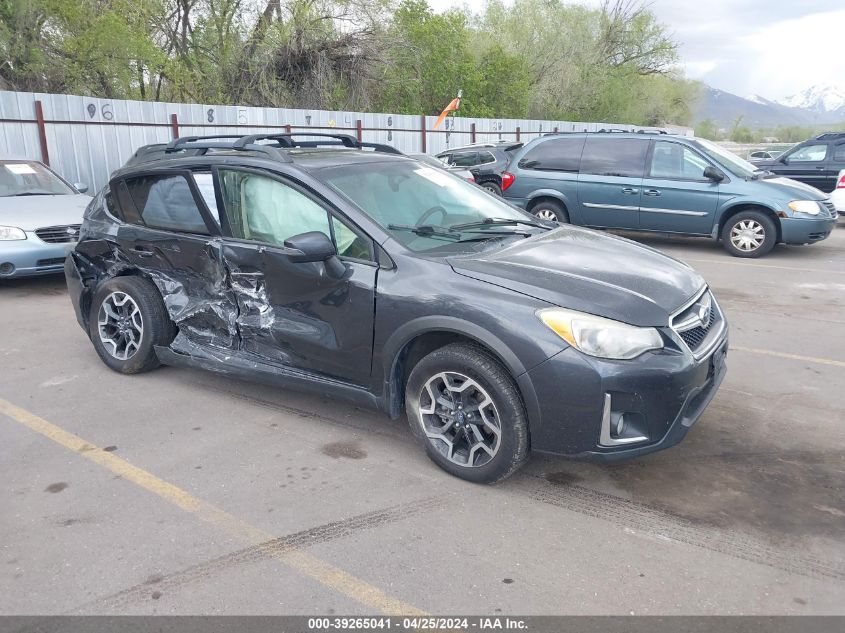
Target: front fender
x,y
728,206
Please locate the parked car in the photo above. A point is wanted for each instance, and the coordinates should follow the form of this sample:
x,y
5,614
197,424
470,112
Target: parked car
x,y
487,162
668,184
368,276
40,216
815,162
838,195
460,172
763,154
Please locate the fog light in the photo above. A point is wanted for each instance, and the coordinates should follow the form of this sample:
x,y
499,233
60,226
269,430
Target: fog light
x,y
7,268
620,426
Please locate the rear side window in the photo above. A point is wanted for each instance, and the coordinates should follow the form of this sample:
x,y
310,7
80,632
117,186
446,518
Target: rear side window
x,y
468,159
562,154
485,157
614,156
164,202
839,152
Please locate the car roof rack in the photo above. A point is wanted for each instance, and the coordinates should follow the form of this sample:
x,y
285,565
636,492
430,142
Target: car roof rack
x,y
652,130
287,141
829,136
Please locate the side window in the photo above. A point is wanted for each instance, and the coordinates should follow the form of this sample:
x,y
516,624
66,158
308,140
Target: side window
x,y
672,160
839,153
205,183
485,157
563,154
468,159
614,156
164,202
264,209
808,154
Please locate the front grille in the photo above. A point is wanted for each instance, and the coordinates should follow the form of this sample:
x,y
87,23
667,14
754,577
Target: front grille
x,y
695,322
59,234
54,261
830,208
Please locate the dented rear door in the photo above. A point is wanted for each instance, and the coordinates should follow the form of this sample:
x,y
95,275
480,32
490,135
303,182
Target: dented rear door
x,y
171,236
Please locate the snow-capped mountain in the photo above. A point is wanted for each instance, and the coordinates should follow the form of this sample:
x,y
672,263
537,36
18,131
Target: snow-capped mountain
x,y
827,97
823,104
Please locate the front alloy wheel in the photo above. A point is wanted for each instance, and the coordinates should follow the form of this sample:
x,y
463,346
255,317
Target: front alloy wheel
x,y
749,234
460,419
467,412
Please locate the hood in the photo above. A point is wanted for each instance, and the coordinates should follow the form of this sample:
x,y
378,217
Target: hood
x,y
591,272
793,189
33,212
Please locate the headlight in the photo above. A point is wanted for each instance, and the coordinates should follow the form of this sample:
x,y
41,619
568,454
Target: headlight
x,y
810,207
600,337
11,233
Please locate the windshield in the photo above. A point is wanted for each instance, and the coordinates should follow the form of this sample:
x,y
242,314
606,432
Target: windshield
x,y
27,178
404,195
730,161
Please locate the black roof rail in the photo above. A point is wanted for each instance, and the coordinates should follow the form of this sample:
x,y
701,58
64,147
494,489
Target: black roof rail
x,y
613,130
287,140
188,143
182,140
827,136
652,130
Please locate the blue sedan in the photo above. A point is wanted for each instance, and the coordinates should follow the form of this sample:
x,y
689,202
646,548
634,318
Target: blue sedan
x,y
40,216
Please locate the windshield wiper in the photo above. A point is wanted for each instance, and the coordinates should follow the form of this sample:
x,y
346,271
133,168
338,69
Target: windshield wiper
x,y
496,222
426,230
30,193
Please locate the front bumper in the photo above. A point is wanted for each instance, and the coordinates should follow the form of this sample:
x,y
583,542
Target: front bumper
x,y
32,257
661,394
805,230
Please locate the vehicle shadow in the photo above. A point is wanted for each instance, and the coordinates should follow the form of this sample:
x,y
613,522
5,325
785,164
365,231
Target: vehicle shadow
x,y
30,286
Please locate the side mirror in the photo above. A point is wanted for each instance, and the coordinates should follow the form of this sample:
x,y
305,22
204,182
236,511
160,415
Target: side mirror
x,y
81,187
784,160
315,246
713,173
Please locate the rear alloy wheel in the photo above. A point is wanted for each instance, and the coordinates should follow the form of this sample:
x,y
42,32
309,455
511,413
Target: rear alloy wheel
x,y
550,211
492,187
466,410
128,320
749,234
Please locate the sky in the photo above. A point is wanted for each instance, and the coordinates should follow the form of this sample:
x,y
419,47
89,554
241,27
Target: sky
x,y
771,48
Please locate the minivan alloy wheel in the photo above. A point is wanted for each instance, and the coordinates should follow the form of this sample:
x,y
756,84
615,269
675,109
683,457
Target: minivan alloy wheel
x,y
748,235
546,214
460,419
120,325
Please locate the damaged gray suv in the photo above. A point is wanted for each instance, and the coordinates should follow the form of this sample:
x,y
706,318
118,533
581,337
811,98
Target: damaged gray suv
x,y
349,269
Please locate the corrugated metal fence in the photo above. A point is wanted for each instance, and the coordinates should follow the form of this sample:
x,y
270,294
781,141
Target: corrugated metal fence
x,y
84,138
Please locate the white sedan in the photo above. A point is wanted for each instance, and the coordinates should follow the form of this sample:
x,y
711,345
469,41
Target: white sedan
x,y
837,196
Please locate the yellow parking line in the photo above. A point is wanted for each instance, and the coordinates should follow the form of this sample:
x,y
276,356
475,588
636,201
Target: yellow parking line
x,y
805,359
734,262
309,565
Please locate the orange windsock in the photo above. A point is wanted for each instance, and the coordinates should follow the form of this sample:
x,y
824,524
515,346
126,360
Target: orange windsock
x,y
454,104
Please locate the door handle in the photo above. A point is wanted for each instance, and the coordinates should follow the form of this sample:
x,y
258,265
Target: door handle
x,y
651,192
143,251
629,190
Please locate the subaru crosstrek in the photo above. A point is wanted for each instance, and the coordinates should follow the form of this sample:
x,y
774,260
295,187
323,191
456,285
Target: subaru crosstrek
x,y
376,278
667,184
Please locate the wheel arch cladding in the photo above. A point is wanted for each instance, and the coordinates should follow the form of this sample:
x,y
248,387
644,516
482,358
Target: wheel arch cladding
x,y
534,200
414,340
739,207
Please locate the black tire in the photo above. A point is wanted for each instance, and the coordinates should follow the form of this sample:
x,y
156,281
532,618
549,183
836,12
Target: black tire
x,y
755,221
550,210
157,328
492,187
472,362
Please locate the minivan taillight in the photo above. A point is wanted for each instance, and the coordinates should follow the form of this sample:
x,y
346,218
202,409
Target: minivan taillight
x,y
839,185
507,179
